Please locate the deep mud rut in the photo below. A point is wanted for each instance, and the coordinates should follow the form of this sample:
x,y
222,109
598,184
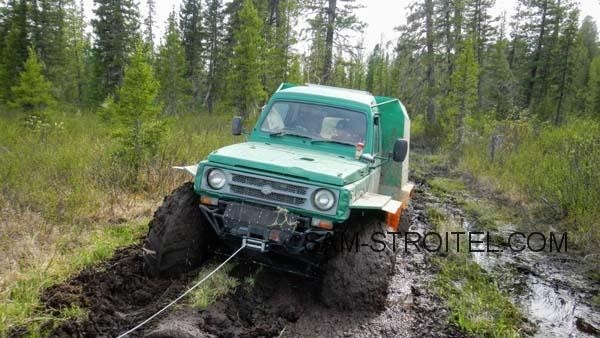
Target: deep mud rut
x,y
118,295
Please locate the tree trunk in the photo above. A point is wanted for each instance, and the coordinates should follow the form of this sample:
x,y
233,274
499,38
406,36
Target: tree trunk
x,y
430,62
537,55
327,62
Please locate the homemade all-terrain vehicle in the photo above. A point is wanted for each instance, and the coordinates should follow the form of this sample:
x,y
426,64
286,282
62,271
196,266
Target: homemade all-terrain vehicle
x,y
321,179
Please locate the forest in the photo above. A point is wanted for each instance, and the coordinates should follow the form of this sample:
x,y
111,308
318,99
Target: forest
x,y
96,112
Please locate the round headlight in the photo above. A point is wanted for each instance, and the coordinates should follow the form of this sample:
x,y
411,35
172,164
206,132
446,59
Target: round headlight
x,y
323,199
216,179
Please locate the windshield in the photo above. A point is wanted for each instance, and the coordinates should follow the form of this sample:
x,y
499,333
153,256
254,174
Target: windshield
x,y
316,122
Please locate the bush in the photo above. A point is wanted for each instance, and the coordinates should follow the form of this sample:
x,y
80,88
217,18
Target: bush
x,y
556,166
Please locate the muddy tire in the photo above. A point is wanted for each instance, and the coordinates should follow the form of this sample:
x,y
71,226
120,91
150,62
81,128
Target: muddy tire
x,y
176,240
358,279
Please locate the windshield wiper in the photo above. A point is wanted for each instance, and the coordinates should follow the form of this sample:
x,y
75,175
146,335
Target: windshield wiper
x,y
287,133
324,140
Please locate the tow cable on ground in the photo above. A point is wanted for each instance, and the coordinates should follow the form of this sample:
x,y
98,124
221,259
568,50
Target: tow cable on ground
x,y
183,294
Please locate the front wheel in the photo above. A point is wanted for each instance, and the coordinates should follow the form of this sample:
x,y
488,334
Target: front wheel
x,y
176,240
358,278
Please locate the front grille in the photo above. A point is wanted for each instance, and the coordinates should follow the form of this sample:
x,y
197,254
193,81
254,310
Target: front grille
x,y
276,197
260,182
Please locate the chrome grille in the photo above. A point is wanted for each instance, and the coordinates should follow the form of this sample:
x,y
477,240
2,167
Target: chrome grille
x,y
277,197
260,182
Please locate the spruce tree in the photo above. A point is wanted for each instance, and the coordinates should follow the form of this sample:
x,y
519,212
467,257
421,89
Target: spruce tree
x,y
294,74
174,86
16,43
245,76
593,88
499,86
33,91
116,28
213,24
135,114
192,33
463,92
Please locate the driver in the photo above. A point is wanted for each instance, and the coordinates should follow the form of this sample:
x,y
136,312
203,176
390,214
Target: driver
x,y
348,131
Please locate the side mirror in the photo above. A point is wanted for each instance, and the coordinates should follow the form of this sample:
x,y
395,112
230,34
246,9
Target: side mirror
x,y
237,126
400,150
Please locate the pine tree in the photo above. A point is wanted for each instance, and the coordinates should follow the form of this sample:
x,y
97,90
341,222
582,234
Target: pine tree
x,y
33,92
244,78
174,86
331,23
569,54
116,28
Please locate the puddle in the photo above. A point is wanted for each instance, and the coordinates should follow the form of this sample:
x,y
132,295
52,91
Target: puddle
x,y
551,293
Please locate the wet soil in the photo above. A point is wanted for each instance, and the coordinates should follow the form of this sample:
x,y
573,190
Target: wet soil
x,y
550,289
118,295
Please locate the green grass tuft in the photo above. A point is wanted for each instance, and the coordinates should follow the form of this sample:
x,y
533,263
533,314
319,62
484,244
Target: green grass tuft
x,y
477,305
447,185
217,286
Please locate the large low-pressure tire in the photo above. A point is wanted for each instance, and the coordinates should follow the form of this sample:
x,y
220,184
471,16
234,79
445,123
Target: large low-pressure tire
x,y
176,240
359,280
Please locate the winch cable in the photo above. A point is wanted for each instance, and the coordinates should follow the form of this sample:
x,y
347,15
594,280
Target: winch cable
x,y
183,294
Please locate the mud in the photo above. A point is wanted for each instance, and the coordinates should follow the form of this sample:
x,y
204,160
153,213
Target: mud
x,y
118,295
281,305
551,290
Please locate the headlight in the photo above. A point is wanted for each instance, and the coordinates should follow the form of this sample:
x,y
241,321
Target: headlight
x,y
323,199
216,179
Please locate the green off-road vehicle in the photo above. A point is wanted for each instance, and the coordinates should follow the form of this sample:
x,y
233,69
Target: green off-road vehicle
x,y
316,189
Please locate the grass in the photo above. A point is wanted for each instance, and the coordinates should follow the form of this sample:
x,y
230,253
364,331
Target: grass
x,y
20,296
476,303
61,194
217,286
447,185
556,167
487,214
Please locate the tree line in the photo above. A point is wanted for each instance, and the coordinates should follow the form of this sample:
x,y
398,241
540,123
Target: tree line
x,y
452,59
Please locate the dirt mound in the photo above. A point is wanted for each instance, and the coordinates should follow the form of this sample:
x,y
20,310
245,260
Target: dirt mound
x,y
117,295
263,310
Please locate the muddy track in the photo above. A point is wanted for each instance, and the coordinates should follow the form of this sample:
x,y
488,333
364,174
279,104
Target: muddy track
x,y
118,295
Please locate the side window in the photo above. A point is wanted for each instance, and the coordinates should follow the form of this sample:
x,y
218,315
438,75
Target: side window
x,y
376,136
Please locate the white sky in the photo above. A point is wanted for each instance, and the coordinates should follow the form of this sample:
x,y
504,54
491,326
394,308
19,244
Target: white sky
x,y
381,16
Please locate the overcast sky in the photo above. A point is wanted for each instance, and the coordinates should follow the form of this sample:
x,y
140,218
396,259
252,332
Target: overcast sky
x,y
381,16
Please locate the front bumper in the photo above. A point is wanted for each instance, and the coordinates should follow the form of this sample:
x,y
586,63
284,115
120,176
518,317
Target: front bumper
x,y
274,236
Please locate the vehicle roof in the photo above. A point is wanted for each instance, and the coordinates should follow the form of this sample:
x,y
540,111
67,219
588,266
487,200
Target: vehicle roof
x,y
359,97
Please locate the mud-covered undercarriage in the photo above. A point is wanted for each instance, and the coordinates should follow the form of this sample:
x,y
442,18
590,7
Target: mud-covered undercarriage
x,y
273,236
